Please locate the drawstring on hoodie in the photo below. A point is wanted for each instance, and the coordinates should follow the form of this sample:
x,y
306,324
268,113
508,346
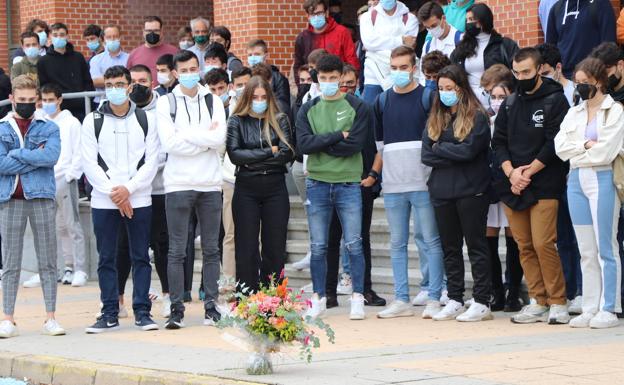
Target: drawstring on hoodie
x,y
575,13
187,110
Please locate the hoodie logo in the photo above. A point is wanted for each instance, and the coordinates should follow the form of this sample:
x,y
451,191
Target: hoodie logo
x,y
538,118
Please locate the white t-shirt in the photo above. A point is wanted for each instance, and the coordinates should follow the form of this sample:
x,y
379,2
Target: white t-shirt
x,y
446,46
475,67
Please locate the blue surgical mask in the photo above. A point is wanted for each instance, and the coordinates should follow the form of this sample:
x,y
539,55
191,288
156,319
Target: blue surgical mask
x,y
93,45
328,89
117,96
49,108
31,52
43,38
209,68
387,4
224,97
259,107
449,98
112,45
189,80
185,44
401,78
255,59
239,91
59,42
318,21
431,84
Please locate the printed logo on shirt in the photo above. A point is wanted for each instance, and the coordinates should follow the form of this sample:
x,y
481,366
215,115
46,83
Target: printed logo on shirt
x,y
341,112
342,118
538,118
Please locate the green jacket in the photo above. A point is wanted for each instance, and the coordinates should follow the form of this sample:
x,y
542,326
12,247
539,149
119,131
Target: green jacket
x,y
25,67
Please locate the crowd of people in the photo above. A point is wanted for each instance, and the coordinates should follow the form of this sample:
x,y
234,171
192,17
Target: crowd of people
x,y
463,131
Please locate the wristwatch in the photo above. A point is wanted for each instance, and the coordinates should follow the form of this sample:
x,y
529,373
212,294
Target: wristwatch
x,y
373,174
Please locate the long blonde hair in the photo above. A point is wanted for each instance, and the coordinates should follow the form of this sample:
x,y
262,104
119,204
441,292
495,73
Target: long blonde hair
x,y
243,108
467,107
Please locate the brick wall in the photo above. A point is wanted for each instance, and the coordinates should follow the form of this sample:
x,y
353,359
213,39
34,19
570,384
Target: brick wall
x,y
4,38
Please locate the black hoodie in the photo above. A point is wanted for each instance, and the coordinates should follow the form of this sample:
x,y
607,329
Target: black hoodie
x,y
281,89
525,131
70,71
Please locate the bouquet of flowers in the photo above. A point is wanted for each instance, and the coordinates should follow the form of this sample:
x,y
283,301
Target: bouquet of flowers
x,y
272,317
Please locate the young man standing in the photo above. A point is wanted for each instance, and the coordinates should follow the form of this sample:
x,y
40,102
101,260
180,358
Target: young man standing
x,y
120,155
28,65
113,55
67,171
28,153
93,35
523,144
223,36
405,183
258,52
191,128
165,78
332,130
553,68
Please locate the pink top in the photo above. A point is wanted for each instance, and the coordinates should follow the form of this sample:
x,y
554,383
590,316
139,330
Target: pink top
x,y
148,56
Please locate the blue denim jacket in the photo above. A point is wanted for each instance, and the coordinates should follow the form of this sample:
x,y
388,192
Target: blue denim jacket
x,y
31,158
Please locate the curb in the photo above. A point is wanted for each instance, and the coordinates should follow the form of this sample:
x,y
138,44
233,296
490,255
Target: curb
x,y
51,370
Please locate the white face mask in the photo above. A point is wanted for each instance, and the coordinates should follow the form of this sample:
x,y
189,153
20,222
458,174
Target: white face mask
x,y
163,78
495,105
437,32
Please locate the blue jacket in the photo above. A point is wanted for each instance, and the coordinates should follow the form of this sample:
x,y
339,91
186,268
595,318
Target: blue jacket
x,y
31,158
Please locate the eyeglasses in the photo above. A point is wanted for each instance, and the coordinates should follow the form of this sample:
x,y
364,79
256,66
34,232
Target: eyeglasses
x,y
116,85
319,13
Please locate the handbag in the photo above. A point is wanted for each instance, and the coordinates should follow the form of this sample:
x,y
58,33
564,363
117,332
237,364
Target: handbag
x,y
618,169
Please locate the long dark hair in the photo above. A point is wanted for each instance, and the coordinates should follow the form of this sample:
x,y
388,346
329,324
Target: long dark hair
x,y
467,107
467,47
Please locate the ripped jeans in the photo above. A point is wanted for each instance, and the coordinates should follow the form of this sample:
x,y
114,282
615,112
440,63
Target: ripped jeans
x,y
346,199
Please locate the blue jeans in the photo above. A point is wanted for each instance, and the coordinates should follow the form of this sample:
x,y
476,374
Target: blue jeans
x,y
106,223
346,199
568,250
399,207
370,93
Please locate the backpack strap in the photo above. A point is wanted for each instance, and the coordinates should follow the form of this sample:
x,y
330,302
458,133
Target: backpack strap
x,y
373,16
428,46
458,36
427,98
98,122
141,117
173,106
383,98
510,100
208,99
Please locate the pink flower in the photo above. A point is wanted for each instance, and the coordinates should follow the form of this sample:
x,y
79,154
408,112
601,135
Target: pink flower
x,y
282,274
306,340
308,303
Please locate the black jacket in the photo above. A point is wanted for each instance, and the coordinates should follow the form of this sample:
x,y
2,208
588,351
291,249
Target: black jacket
x,y
618,95
281,89
5,91
249,150
460,169
500,50
525,131
70,71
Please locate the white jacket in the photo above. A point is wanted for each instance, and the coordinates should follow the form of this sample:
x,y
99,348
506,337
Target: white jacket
x,y
379,40
570,141
158,187
193,142
121,144
68,167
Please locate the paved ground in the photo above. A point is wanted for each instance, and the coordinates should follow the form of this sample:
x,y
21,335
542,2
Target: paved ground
x,y
399,351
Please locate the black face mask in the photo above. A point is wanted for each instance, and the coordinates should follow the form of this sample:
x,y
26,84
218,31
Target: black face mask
x,y
336,16
472,29
586,91
302,90
314,75
527,85
25,110
152,38
140,95
614,81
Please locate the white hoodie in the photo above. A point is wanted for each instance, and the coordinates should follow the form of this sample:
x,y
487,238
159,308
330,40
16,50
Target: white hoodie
x,y
570,140
121,144
379,40
192,142
68,167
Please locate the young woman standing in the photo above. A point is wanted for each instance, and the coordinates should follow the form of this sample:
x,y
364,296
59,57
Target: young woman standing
x,y
258,144
456,146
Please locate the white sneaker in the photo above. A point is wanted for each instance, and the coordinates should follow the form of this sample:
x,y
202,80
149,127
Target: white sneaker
x,y
576,305
450,311
34,281
468,302
345,286
357,307
531,314
8,329
581,321
444,299
604,320
558,315
309,288
79,279
421,298
475,313
304,263
166,306
432,308
318,308
68,276
154,295
396,309
53,328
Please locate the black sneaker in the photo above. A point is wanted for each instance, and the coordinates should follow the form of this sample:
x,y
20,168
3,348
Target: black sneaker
x,y
103,325
175,321
372,299
145,323
332,301
211,316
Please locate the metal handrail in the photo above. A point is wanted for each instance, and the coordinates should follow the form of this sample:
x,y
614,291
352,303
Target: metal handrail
x,y
87,95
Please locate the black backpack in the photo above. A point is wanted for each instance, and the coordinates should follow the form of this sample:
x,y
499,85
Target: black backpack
x,y
173,105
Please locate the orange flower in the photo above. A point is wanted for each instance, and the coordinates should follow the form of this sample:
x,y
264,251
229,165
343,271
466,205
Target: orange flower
x,y
282,290
281,323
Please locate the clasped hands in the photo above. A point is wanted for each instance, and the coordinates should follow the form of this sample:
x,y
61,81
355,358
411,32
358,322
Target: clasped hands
x,y
121,198
520,178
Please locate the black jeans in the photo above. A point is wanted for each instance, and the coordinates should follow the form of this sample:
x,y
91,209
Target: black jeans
x,y
333,245
260,204
123,262
459,219
159,239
